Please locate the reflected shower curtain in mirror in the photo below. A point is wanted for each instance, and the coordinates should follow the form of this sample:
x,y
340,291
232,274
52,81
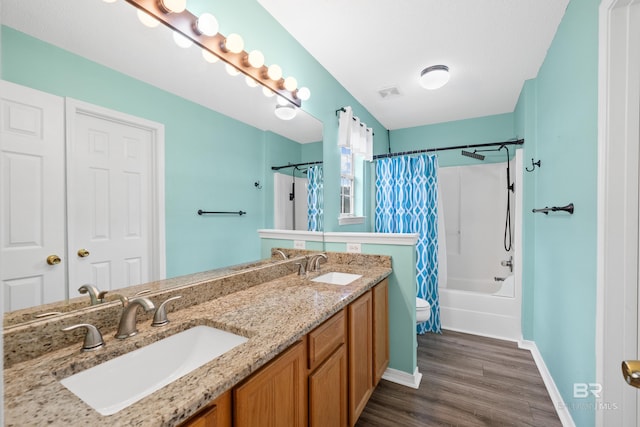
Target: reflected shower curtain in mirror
x,y
314,198
407,202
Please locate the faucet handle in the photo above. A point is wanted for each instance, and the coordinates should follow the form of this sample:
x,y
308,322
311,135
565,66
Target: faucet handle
x,y
160,316
301,269
92,338
92,291
101,296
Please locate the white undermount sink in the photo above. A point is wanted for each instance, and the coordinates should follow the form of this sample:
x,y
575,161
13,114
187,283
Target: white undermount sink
x,y
120,382
337,278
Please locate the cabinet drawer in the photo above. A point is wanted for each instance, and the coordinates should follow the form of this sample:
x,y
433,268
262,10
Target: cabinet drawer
x,y
326,338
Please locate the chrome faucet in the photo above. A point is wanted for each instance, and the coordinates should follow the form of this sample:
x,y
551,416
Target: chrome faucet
x,y
278,251
92,339
127,327
314,262
160,316
96,296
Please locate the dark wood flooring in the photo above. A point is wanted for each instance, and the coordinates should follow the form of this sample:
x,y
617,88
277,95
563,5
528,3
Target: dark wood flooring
x,y
466,381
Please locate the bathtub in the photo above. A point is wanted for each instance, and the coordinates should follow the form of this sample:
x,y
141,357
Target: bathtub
x,y
504,288
483,307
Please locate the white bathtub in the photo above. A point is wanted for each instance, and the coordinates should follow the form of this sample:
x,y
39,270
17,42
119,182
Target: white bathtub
x,y
482,307
503,288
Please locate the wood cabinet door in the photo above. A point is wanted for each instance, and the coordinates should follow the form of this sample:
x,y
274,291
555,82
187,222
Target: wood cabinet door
x,y
360,355
218,414
380,330
276,395
328,392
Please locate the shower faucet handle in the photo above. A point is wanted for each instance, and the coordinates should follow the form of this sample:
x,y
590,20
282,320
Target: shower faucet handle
x,y
508,263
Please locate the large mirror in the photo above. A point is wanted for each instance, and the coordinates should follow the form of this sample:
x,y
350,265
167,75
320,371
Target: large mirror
x,y
221,137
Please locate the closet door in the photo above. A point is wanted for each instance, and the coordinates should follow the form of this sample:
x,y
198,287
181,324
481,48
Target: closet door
x,y
110,163
32,197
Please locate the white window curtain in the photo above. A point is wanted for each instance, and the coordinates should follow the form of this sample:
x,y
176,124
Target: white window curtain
x,y
355,134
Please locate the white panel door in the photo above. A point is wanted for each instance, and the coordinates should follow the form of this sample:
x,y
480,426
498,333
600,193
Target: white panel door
x,y
110,197
32,197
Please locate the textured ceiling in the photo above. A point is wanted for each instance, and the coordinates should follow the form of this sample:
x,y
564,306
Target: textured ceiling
x,y
490,46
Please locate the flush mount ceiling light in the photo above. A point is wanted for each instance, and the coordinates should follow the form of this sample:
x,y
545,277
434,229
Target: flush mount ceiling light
x,y
285,112
434,77
203,31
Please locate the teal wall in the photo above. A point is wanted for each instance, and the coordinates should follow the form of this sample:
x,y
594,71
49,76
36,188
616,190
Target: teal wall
x,y
558,113
480,130
211,161
261,31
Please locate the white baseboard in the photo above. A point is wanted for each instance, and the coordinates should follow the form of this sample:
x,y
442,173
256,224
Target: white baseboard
x,y
554,393
403,378
486,335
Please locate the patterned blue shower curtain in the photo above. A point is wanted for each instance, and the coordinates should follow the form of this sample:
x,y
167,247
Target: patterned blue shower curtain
x,y
407,202
314,198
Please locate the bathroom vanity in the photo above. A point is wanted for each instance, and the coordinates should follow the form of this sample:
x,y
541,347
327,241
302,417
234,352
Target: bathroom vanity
x,y
313,355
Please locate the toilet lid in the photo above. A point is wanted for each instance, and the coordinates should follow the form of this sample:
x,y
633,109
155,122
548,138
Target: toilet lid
x,y
422,304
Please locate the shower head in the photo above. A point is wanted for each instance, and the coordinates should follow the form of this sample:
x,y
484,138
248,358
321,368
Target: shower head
x,y
473,155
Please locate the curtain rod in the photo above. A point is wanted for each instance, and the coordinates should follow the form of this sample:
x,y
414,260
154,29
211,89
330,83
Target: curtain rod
x,y
295,165
457,147
353,118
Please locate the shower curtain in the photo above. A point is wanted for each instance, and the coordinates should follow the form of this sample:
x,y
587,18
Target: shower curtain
x,y
314,198
407,202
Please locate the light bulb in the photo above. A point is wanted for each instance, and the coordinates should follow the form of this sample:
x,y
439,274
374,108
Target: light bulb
x,y
109,1
175,6
207,24
231,70
250,82
147,20
234,43
267,92
209,57
181,40
290,84
274,72
303,93
256,59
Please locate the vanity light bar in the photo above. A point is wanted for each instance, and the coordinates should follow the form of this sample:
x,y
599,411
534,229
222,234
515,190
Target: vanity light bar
x,y
184,23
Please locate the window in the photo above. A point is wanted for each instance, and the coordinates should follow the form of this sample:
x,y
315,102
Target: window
x,y
347,181
355,140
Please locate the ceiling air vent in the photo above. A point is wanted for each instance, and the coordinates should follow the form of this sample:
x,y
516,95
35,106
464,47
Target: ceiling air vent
x,y
389,92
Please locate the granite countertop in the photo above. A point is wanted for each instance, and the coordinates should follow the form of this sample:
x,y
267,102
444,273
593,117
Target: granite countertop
x,y
273,315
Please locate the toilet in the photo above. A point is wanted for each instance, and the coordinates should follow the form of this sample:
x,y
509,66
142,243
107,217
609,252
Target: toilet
x,y
423,310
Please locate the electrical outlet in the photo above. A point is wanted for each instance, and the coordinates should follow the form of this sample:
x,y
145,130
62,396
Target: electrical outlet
x,y
354,248
299,244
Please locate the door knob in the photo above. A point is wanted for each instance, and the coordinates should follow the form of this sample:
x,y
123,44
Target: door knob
x,y
631,372
83,253
53,260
